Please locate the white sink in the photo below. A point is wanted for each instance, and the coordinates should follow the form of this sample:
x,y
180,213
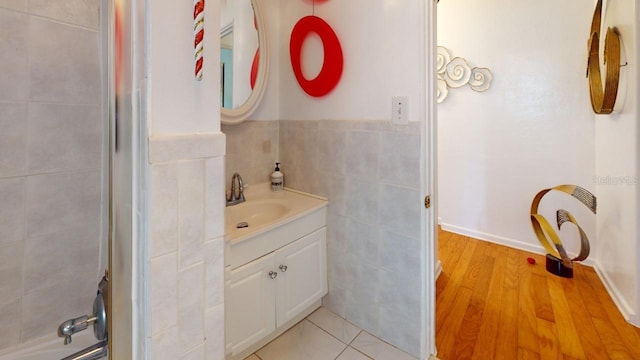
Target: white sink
x,y
272,219
256,213
265,209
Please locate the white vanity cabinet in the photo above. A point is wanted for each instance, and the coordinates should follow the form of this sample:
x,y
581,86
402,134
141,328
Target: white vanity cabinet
x,y
266,294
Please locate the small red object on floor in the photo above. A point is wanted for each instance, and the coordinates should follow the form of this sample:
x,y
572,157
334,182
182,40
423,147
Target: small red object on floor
x,y
531,261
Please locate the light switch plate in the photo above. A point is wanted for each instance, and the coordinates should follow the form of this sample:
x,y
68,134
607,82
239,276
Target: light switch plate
x,y
400,110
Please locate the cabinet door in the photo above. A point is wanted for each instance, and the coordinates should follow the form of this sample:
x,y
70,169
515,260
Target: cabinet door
x,y
304,279
250,303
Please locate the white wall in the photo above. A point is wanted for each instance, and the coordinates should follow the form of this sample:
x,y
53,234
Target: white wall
x,y
377,65
531,130
179,104
616,248
381,60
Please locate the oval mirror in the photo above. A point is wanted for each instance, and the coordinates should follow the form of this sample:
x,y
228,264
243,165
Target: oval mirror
x,y
244,59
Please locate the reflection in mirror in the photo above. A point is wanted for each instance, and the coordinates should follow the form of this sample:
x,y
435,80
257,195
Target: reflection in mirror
x,y
243,59
226,67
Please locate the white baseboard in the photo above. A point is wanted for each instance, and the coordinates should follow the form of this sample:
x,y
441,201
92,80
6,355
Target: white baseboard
x,y
516,244
438,269
618,299
501,240
624,308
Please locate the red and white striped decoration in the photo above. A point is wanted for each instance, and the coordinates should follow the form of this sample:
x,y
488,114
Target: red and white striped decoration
x,y
198,32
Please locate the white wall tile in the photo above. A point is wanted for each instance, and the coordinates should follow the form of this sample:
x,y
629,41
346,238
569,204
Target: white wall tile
x,y
214,262
333,188
363,296
214,197
336,300
163,206
58,253
20,5
400,309
10,272
265,151
191,198
78,12
164,293
13,138
165,345
400,159
70,299
362,155
64,64
363,242
191,306
12,205
361,200
215,333
337,231
401,210
238,137
398,252
64,137
9,317
369,170
195,354
332,151
236,163
401,328
13,53
172,148
400,289
62,201
47,219
337,267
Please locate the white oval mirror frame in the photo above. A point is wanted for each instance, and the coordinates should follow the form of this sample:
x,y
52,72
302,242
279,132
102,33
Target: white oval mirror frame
x,y
239,114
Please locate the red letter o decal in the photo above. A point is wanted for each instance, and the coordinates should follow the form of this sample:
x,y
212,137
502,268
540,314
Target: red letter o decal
x,y
331,71
254,69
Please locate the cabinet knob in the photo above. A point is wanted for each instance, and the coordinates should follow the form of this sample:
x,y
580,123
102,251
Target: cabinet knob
x,y
273,274
283,268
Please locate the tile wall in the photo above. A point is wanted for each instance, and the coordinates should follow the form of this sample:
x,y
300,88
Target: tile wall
x,y
187,244
252,150
370,171
51,167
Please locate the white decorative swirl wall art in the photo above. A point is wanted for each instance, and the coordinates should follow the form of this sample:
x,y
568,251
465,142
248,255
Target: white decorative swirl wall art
x,y
443,59
480,79
456,72
442,90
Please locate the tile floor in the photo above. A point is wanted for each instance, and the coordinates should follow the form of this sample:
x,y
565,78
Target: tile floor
x,y
325,336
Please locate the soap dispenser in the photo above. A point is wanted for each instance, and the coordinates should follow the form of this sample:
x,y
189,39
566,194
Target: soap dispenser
x,y
277,179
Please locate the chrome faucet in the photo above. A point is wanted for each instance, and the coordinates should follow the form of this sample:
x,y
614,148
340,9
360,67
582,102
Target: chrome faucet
x,y
98,319
237,194
72,326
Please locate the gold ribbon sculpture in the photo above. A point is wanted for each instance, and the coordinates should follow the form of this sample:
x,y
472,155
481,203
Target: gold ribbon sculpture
x,y
558,262
602,101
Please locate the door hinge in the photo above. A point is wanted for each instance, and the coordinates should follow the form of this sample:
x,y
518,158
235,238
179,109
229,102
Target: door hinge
x,y
427,201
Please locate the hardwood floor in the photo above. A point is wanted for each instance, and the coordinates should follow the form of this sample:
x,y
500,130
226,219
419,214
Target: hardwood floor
x,y
492,304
